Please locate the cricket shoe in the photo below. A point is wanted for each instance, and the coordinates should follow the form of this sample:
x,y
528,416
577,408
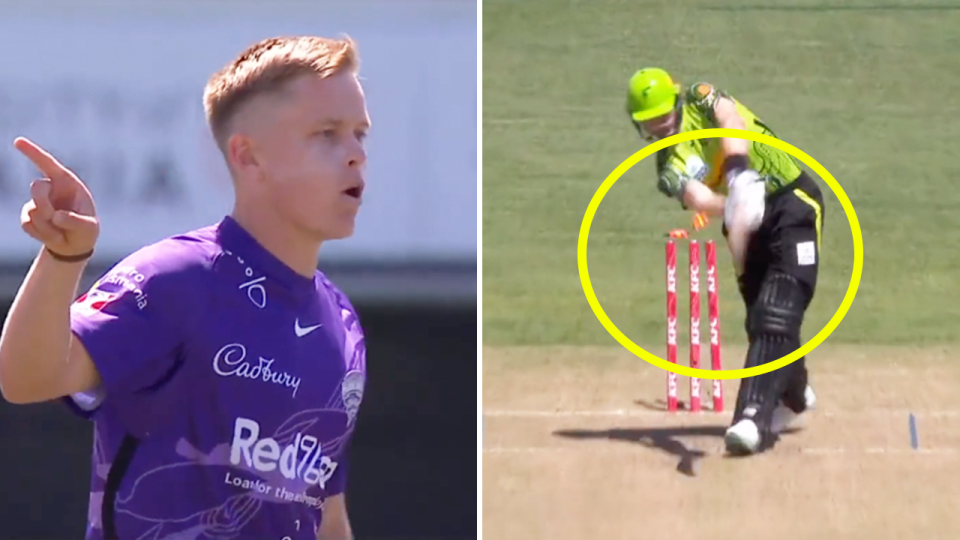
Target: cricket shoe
x,y
784,418
742,438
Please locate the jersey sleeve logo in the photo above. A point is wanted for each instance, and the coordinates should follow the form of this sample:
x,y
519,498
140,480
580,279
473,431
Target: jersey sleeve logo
x,y
95,300
122,282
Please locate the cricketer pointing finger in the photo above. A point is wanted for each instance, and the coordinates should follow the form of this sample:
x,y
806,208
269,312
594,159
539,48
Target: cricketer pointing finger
x,y
222,371
772,219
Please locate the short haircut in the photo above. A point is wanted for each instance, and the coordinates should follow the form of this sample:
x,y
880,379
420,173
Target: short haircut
x,y
267,66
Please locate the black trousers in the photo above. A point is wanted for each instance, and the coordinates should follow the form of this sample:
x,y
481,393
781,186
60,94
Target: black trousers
x,y
787,242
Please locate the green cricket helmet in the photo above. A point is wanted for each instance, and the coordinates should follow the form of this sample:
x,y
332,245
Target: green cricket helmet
x,y
652,93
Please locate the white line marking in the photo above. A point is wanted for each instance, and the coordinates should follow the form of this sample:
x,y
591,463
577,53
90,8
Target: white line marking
x,y
883,450
815,450
613,412
641,413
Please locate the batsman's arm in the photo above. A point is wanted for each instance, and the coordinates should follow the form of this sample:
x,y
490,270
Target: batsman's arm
x,y
699,198
721,110
728,117
745,188
679,179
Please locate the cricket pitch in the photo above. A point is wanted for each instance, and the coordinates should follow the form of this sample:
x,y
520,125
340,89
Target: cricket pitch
x,y
577,445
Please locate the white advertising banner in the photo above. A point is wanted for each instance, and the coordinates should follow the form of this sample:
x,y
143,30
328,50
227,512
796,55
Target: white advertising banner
x,y
115,92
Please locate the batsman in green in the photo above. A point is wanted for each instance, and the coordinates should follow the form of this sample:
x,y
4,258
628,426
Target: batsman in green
x,y
772,214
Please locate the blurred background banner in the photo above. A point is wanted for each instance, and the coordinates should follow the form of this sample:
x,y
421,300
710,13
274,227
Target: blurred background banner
x,y
114,89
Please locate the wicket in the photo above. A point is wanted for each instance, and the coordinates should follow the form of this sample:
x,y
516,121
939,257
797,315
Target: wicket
x,y
672,326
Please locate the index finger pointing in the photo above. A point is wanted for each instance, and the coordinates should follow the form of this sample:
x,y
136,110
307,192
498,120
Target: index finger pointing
x,y
47,164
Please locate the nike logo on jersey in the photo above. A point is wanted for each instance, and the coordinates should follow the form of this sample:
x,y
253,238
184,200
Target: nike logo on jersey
x,y
304,330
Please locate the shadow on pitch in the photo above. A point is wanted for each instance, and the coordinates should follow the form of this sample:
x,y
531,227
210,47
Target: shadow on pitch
x,y
665,439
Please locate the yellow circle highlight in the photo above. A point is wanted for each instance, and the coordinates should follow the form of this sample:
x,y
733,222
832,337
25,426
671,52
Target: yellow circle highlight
x,y
709,373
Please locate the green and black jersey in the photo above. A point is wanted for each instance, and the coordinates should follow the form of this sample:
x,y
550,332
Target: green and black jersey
x,y
702,159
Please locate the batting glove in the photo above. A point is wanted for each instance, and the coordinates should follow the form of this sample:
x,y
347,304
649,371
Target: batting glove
x,y
700,221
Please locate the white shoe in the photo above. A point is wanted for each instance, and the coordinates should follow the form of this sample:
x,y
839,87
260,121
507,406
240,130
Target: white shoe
x,y
742,437
784,418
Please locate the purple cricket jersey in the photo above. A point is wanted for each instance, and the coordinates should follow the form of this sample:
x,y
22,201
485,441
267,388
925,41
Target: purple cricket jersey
x,y
230,390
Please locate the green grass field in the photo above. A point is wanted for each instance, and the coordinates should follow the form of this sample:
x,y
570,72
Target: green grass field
x,y
574,443
868,90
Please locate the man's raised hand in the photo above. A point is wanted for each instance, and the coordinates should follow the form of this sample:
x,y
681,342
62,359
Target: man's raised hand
x,y
60,213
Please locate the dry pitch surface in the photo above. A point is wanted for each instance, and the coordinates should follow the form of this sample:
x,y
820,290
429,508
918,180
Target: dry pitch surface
x,y
576,446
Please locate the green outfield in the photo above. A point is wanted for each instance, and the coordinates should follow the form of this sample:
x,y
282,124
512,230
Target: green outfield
x,y
574,444
869,93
